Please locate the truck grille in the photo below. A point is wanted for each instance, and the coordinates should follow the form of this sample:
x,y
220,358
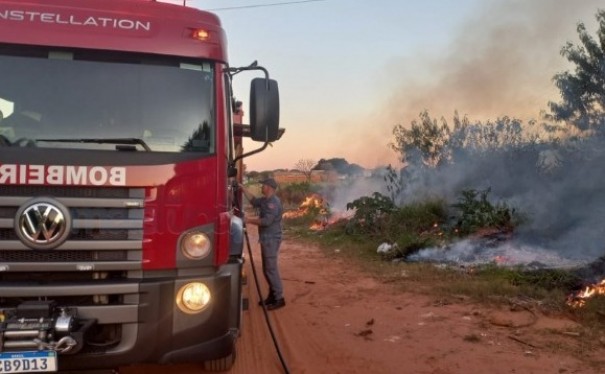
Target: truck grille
x,y
107,226
62,256
96,269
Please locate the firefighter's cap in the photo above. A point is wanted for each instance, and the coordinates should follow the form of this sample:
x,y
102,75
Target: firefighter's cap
x,y
270,182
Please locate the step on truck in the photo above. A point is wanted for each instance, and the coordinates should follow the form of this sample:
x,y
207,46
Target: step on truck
x,y
119,240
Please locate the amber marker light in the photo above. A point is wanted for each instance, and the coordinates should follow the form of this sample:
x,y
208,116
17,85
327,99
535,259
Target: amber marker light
x,y
201,35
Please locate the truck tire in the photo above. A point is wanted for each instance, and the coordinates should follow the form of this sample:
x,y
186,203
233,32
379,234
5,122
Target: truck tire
x,y
220,364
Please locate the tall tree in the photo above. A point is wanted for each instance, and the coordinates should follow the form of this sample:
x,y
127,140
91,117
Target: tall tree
x,y
433,143
424,142
583,91
305,166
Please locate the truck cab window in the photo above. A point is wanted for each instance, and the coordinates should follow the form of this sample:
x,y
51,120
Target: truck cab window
x,y
168,105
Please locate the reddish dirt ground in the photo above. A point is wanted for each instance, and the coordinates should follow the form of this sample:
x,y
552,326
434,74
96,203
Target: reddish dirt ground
x,y
338,319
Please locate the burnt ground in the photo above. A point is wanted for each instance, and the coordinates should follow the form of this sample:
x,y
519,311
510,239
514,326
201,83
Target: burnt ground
x,y
342,320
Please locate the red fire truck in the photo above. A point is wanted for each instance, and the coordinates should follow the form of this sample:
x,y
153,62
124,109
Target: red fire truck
x,y
118,153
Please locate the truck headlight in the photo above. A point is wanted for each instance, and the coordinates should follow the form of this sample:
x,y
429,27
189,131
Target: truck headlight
x,y
196,245
193,297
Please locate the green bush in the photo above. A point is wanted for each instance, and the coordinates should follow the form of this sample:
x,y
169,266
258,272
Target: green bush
x,y
371,214
411,227
476,213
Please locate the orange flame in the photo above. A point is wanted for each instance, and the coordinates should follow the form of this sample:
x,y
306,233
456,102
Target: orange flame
x,y
324,221
578,299
317,226
311,203
316,204
292,214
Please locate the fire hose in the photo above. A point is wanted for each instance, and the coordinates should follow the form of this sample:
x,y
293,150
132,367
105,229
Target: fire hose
x,y
260,295
266,314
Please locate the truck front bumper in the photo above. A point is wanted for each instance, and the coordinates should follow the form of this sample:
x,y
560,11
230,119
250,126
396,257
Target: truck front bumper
x,y
148,327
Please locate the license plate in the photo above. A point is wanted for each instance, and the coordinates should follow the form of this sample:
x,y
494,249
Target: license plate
x,y
28,362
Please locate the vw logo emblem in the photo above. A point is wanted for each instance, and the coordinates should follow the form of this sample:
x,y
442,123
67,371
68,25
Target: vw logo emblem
x,y
42,223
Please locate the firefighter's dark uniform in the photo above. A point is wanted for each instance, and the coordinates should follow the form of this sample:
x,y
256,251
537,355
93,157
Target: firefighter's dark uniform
x,y
270,236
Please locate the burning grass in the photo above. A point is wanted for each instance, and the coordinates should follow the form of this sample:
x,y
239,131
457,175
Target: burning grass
x,y
542,291
580,298
416,226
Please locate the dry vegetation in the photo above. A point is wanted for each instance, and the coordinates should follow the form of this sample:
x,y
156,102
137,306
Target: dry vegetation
x,y
537,292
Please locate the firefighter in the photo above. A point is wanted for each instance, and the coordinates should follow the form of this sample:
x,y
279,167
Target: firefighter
x,y
269,224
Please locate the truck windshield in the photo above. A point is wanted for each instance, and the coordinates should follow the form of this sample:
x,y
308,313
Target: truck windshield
x,y
106,102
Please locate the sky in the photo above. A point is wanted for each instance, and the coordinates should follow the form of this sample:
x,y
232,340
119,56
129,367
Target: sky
x,y
349,71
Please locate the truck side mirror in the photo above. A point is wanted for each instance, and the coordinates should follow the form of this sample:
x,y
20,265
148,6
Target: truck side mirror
x,y
264,110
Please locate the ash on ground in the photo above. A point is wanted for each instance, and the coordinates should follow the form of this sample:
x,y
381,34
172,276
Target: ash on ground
x,y
467,253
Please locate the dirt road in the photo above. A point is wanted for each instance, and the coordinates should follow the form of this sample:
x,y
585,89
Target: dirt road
x,y
339,320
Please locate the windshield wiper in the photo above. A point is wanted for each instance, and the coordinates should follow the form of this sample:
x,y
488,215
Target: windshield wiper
x,y
133,141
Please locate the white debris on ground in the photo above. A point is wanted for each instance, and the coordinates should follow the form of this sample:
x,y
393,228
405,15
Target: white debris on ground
x,y
386,248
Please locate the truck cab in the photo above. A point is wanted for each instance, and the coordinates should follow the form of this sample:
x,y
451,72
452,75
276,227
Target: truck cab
x,y
116,186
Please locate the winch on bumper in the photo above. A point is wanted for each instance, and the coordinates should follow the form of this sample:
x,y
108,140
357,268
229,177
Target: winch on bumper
x,y
147,327
40,325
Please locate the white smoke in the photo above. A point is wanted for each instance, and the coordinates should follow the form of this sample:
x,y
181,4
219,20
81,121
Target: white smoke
x,y
503,63
468,253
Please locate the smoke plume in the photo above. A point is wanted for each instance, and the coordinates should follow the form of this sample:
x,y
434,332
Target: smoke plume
x,y
502,64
